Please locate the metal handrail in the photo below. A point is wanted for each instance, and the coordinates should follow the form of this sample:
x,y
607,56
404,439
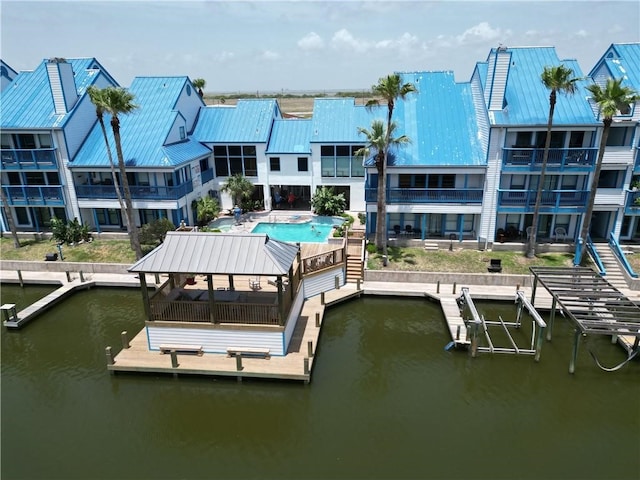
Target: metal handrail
x,y
617,251
591,248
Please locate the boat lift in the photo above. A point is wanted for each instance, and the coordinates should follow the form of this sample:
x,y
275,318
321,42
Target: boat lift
x,y
477,326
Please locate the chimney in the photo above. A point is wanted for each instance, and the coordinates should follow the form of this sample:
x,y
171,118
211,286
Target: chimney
x,y
63,84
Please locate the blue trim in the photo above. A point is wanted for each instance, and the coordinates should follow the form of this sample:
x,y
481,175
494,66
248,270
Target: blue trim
x,y
615,247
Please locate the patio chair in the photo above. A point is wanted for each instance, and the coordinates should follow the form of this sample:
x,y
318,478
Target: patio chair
x,y
560,233
254,283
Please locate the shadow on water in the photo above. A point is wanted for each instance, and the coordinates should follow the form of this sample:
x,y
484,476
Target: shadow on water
x,y
386,401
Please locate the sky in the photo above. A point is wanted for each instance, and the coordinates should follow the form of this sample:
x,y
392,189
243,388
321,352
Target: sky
x,y
292,46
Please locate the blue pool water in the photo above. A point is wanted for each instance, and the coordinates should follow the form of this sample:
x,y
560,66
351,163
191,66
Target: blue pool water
x,y
315,231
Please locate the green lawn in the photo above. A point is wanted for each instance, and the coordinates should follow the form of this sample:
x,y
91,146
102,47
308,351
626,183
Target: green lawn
x,y
98,251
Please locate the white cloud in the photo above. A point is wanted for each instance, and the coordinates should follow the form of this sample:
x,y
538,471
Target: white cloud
x,y
404,43
269,55
344,39
311,41
480,33
581,33
223,56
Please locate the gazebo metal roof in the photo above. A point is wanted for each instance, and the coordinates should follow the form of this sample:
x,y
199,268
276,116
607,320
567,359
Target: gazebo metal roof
x,y
219,253
592,303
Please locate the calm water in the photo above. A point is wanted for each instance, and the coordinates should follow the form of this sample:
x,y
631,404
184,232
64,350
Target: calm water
x,y
386,401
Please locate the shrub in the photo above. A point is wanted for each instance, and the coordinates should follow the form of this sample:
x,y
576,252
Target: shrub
x,y
363,218
153,233
327,202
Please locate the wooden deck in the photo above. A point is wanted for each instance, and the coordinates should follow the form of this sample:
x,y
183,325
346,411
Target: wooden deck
x,y
303,345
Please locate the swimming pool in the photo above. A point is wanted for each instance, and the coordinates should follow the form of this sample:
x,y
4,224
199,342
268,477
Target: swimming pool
x,y
316,230
223,224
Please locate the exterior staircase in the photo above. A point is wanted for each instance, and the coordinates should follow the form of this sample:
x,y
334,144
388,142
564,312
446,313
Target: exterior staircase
x,y
355,256
614,275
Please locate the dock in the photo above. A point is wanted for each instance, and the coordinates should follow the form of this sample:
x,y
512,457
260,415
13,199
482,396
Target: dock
x,y
296,365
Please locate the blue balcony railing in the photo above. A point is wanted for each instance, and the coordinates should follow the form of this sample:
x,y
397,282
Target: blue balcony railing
x,y
427,195
636,167
559,158
39,195
137,192
38,159
550,198
633,202
206,175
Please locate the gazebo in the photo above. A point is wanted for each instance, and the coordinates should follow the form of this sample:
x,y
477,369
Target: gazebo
x,y
249,294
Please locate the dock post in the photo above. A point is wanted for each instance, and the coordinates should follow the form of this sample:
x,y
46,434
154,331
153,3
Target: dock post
x,y
438,287
552,318
317,319
574,354
337,278
9,312
306,365
239,366
81,277
20,278
125,339
321,298
539,344
68,276
174,359
358,284
614,339
454,288
157,278
310,348
474,340
458,333
109,355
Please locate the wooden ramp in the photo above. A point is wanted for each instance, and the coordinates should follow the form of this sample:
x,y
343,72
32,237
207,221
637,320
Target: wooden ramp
x,y
457,327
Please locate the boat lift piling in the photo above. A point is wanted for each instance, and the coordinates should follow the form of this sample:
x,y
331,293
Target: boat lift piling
x,y
479,326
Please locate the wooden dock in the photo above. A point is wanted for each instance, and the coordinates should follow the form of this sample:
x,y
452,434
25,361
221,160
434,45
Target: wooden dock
x,y
457,327
296,365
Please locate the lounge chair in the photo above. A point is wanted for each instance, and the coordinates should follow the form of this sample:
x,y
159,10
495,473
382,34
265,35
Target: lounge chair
x,y
254,283
495,265
560,234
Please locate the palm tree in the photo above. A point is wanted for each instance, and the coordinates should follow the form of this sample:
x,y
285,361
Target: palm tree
x,y
10,222
199,83
119,101
238,187
611,100
557,79
389,89
98,98
207,209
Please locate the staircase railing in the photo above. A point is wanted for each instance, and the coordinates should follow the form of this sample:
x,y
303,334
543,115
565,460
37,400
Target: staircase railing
x,y
591,248
617,251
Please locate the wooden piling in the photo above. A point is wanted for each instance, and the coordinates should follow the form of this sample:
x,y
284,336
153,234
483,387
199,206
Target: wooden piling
x,y
68,276
552,318
20,278
125,339
306,366
574,354
358,284
239,366
317,319
454,288
337,282
310,348
458,333
174,359
81,277
109,355
321,298
438,287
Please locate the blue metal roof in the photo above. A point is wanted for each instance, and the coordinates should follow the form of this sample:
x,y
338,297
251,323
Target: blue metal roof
x,y
336,120
28,103
527,99
249,121
290,136
623,60
145,130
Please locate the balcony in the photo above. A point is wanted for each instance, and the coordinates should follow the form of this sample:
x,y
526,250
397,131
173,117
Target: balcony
x,y
631,206
206,175
636,166
427,195
137,192
530,159
37,159
40,195
552,200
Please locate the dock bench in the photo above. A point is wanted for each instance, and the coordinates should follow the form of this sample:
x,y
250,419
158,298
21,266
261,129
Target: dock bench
x,y
197,349
249,351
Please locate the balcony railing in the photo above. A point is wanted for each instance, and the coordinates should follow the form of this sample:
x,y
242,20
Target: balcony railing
x,y
558,160
206,175
632,206
427,195
550,198
37,159
137,192
636,167
34,195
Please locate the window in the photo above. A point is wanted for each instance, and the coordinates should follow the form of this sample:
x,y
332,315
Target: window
x,y
274,164
620,137
34,178
523,139
340,161
328,167
22,217
441,181
204,164
563,221
557,139
168,179
235,159
182,133
576,139
5,141
412,181
25,141
569,182
517,182
610,179
53,178
303,165
250,167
